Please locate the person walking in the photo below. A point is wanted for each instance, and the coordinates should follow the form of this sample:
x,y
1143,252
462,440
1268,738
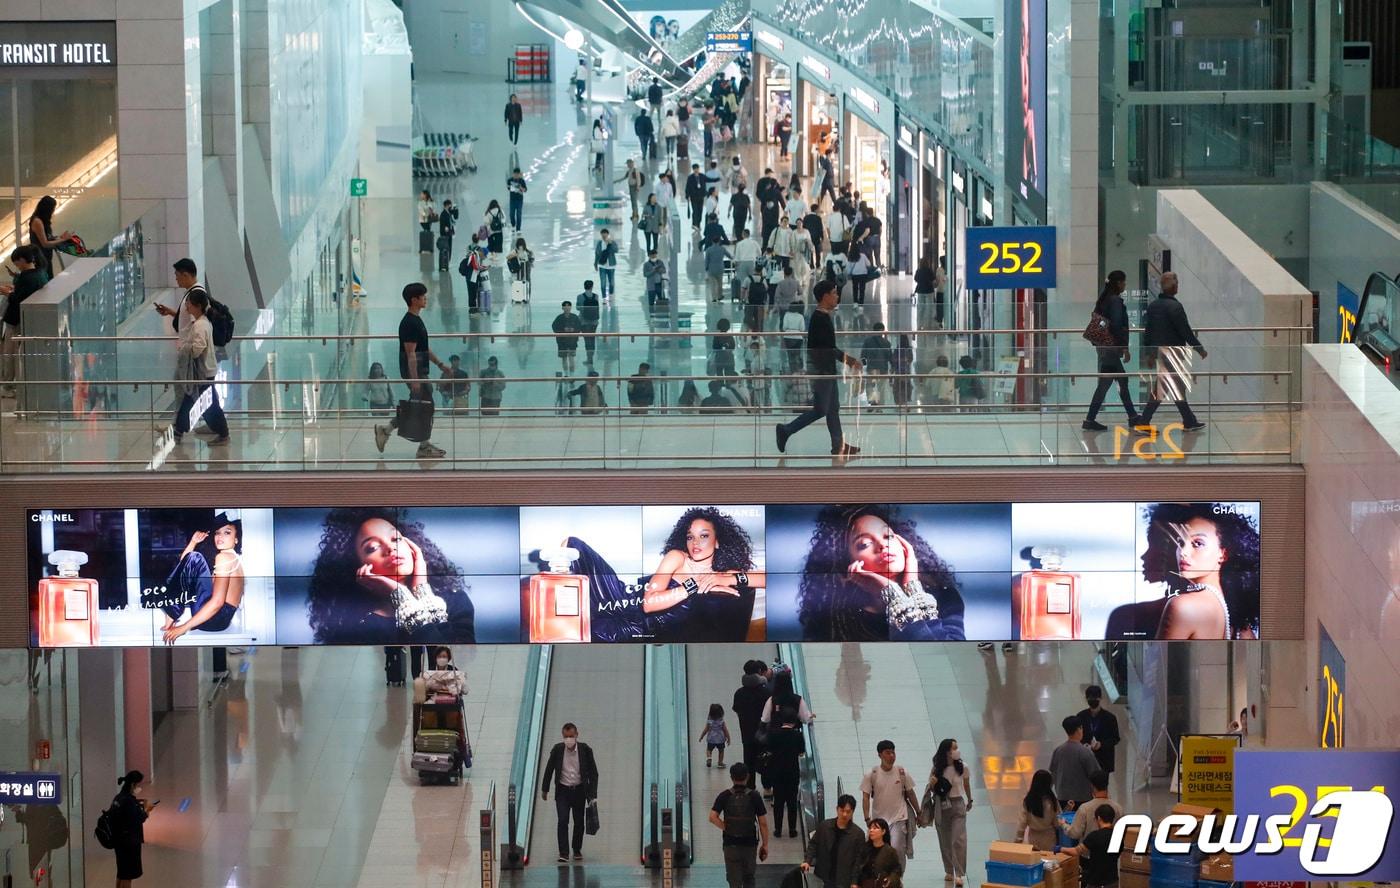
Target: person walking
x,y
588,314
722,349
655,96
822,355
695,195
793,325
566,327
834,853
515,113
414,357
605,261
886,793
1072,765
715,734
635,179
427,215
749,700
785,714
739,203
472,268
574,771
877,356
447,229
746,252
670,131
951,781
1038,818
715,256
1100,728
455,386
739,813
646,134
195,367
654,270
828,174
653,220
1167,338
127,817
516,187
581,72
1111,308
493,387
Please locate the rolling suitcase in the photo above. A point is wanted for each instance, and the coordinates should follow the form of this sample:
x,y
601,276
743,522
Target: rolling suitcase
x,y
444,246
425,241
519,291
435,741
393,666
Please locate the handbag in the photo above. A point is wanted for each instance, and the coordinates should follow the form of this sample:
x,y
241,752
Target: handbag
x,y
928,807
591,824
415,420
1098,332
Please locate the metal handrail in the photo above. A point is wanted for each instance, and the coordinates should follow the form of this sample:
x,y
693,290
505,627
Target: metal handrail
x,y
645,334
814,792
525,764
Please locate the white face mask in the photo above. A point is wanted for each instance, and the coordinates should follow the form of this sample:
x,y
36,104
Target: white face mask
x,y
570,742
442,664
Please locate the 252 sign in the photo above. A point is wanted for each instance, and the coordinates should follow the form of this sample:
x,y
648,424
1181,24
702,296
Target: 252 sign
x,y
1011,257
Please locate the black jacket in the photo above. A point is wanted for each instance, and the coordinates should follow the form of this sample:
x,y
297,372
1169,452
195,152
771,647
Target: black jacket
x,y
695,186
655,94
835,854
748,706
554,770
642,126
514,112
1116,313
1104,728
1165,323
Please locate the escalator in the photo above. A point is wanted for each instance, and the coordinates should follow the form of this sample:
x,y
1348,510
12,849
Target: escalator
x,y
1376,327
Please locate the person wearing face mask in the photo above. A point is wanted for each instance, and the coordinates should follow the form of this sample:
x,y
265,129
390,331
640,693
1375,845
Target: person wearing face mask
x,y
1100,728
443,680
951,782
575,774
127,817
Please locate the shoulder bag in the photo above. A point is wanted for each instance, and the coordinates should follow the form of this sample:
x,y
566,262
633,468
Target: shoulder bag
x,y
1099,334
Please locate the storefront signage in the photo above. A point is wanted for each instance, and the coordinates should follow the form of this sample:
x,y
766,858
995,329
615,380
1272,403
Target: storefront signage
x,y
1207,777
870,102
1009,258
906,136
57,45
1337,813
148,577
769,38
817,66
30,788
1331,692
1348,304
729,41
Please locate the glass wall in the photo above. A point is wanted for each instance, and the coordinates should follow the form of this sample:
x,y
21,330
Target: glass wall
x,y
59,137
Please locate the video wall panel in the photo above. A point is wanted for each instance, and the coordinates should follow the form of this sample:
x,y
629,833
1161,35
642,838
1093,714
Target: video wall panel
x,y
689,573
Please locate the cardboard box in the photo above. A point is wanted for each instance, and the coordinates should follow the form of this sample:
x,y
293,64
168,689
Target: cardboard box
x,y
1218,868
1130,879
1130,861
1036,885
1196,811
1013,852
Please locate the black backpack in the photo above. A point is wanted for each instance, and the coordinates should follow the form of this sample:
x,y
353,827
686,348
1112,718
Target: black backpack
x,y
220,319
740,819
106,829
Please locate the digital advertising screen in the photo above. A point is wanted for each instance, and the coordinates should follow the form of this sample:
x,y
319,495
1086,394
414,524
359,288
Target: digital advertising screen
x,y
676,573
1026,103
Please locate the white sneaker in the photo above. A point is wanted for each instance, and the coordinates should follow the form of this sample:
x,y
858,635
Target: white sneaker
x,y
427,450
381,437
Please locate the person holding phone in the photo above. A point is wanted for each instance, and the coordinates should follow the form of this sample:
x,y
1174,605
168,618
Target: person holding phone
x,y
128,814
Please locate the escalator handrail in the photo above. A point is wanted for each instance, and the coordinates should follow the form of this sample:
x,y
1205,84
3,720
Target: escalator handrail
x,y
813,791
524,769
665,750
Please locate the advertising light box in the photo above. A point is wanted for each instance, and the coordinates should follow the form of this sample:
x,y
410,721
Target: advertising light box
x,y
683,573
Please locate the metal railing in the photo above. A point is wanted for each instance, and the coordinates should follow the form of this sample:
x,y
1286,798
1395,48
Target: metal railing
x,y
524,768
665,756
811,789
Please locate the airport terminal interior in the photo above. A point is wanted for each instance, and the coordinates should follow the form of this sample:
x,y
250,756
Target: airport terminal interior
x,y
441,439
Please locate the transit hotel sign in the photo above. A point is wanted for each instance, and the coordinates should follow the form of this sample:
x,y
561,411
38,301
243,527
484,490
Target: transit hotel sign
x,y
57,45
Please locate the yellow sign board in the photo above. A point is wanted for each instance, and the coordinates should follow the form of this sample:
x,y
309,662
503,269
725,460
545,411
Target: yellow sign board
x,y
1208,771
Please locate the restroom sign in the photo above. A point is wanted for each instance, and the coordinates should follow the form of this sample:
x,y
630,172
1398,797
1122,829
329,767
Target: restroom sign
x,y
30,788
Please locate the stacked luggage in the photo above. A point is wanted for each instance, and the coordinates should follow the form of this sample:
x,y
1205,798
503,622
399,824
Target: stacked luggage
x,y
441,749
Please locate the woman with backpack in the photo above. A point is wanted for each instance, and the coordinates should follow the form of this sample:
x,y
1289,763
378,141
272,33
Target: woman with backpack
x,y
125,822
1111,311
785,714
494,224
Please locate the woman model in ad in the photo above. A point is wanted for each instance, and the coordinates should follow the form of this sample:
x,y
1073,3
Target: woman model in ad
x,y
703,589
1207,555
870,577
218,591
379,580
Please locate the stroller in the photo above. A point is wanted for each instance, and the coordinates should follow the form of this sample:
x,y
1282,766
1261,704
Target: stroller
x,y
441,749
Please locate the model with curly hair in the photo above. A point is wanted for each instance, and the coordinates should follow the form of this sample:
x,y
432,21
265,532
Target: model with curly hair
x,y
703,589
371,584
1207,557
869,576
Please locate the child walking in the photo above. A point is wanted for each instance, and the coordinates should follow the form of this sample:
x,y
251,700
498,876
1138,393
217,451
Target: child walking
x,y
715,734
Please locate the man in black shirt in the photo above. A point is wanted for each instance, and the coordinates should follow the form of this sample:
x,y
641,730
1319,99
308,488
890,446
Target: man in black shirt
x,y
1100,867
566,327
766,186
588,315
695,193
748,704
514,114
1100,728
1166,336
834,853
740,814
414,357
822,355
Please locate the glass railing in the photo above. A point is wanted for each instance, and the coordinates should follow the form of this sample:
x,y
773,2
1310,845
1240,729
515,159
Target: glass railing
x,y
666,755
698,405
525,760
812,791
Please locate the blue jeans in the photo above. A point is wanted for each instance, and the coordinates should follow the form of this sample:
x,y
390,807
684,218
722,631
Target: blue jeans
x,y
517,208
213,414
606,281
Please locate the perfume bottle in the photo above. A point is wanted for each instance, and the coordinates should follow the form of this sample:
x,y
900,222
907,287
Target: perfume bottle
x,y
67,603
558,601
1046,604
